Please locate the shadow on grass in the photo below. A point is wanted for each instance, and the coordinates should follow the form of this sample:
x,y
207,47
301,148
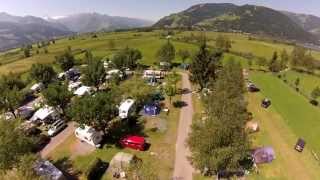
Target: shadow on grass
x,y
65,165
123,128
179,104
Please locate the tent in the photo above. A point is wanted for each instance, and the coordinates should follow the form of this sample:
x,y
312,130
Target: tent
x,y
152,109
83,90
120,162
263,155
47,170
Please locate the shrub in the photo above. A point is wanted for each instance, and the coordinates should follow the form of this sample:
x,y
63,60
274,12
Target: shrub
x,y
314,102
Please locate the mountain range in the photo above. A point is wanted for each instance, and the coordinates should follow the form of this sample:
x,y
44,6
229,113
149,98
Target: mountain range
x,y
247,18
17,30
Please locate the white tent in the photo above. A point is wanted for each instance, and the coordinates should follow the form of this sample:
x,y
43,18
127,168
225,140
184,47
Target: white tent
x,y
44,113
83,90
37,87
89,135
74,85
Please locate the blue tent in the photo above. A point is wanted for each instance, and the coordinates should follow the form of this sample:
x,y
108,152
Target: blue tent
x,y
152,109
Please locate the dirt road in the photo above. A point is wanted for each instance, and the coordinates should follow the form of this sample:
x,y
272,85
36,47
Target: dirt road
x,y
58,139
182,167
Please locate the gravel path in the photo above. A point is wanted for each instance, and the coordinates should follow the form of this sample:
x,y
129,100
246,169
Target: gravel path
x,y
58,139
183,170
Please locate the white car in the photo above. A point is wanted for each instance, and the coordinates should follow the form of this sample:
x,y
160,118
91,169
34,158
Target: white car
x,y
56,127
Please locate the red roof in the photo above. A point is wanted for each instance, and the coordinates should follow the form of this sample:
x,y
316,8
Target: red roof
x,y
135,139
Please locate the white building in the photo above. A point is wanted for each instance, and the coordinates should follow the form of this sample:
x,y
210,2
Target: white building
x,y
89,135
83,90
127,108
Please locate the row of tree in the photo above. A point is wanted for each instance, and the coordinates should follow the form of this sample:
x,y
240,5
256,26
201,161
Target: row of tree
x,y
219,143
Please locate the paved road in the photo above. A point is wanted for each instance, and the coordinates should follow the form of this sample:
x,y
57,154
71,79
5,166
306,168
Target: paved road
x,y
182,167
58,139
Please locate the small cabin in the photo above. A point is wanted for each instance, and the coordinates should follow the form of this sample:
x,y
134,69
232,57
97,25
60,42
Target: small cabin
x,y
89,135
127,109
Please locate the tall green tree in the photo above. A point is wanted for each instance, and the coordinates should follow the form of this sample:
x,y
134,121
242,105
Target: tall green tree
x,y
65,61
166,53
284,59
94,73
274,64
126,58
13,145
220,142
10,99
297,56
96,111
184,55
42,73
315,93
57,95
223,43
204,66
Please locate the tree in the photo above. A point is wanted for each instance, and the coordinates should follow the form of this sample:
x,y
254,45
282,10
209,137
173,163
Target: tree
x,y
94,73
166,53
297,56
46,51
57,95
66,60
95,111
42,73
274,65
184,55
14,144
26,52
220,142
126,58
315,93
223,43
111,44
170,91
284,59
297,82
204,66
25,167
173,78
10,99
261,62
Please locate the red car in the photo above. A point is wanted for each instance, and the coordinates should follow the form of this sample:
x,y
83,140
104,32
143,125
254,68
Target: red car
x,y
134,142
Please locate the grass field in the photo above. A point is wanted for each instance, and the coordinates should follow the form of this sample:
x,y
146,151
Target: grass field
x,y
297,113
307,82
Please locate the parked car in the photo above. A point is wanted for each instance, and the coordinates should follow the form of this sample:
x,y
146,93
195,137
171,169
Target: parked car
x,y
300,145
56,127
252,88
265,103
134,142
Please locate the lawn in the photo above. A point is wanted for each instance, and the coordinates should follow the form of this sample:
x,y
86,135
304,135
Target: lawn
x,y
302,118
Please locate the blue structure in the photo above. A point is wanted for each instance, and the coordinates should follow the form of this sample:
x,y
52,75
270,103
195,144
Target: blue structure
x,y
152,109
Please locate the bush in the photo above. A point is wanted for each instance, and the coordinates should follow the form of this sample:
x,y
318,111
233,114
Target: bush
x,y
314,102
96,169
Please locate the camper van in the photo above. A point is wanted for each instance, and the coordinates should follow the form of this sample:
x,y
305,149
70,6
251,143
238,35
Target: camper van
x,y
89,135
127,109
154,74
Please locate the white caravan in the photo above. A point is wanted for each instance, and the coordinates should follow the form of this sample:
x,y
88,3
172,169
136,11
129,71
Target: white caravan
x,y
89,135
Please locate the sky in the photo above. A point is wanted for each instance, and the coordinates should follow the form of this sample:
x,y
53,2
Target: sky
x,y
144,9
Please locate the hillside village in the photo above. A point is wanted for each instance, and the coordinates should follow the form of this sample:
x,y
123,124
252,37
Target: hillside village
x,y
162,102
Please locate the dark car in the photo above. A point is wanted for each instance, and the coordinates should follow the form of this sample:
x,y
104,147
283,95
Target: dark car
x,y
252,88
266,103
300,145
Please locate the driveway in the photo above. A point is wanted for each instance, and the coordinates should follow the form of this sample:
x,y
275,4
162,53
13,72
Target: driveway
x,y
58,139
183,170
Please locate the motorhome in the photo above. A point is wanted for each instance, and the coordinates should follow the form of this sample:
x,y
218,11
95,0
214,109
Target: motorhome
x,y
154,74
127,109
89,135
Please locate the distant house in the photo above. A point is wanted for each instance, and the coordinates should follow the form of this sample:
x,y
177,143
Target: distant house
x,y
89,135
47,170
